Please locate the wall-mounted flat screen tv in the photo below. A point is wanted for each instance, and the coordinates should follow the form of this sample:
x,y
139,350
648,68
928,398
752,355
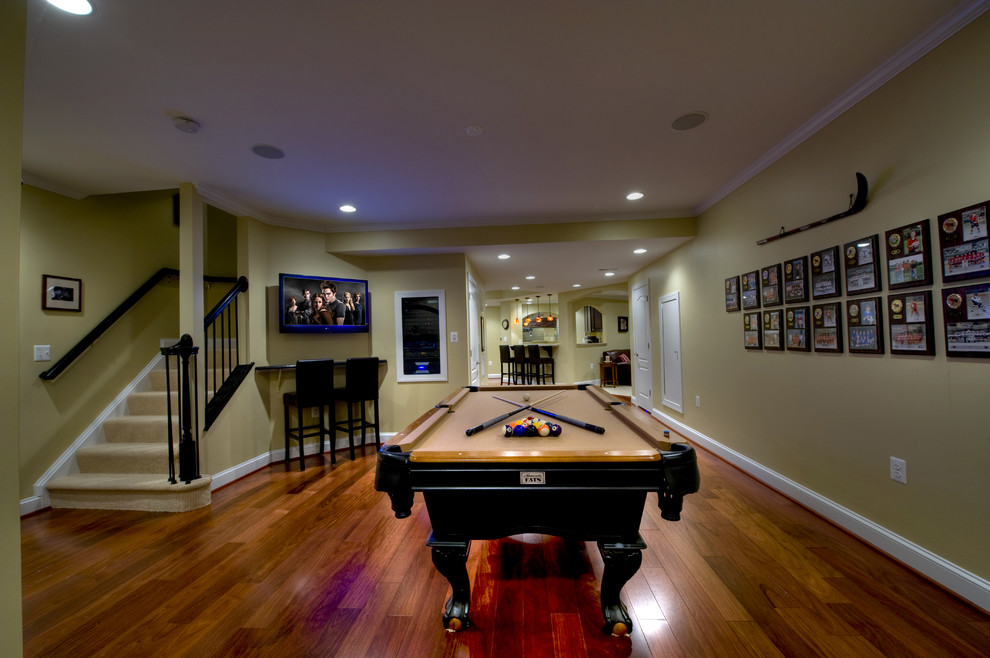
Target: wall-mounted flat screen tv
x,y
318,304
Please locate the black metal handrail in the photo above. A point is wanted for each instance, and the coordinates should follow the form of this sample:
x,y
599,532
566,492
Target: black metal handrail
x,y
222,352
108,322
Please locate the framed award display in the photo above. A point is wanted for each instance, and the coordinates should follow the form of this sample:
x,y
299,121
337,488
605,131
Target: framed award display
x,y
962,237
732,293
752,331
750,286
865,325
966,313
797,329
770,285
795,283
862,266
909,319
773,328
825,281
827,327
909,261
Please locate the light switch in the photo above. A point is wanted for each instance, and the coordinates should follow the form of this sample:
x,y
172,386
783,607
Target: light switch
x,y
453,336
42,352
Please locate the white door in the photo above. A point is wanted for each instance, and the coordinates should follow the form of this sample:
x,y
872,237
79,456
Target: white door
x,y
642,365
474,339
670,349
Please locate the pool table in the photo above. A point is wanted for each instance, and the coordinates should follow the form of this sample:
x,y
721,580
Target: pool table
x,y
585,484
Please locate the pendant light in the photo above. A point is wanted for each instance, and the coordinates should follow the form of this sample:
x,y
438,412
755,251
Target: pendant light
x,y
518,311
538,318
549,307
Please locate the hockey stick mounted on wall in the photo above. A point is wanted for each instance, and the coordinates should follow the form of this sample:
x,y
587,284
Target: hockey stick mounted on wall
x,y
856,203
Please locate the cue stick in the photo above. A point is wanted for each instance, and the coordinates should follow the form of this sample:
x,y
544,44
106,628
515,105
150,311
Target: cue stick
x,y
572,421
499,419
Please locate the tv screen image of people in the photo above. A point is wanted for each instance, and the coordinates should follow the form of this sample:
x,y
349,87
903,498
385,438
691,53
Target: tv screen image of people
x,y
323,304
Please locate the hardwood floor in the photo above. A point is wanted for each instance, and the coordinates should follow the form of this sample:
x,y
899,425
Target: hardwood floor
x,y
315,564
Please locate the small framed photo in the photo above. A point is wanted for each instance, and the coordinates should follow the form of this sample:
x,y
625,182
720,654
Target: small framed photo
x,y
909,260
732,294
770,285
797,329
623,324
862,266
966,313
962,237
827,330
865,320
752,333
773,330
750,290
910,323
825,282
60,293
795,281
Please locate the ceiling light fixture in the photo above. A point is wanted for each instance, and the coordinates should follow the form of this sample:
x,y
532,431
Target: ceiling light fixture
x,y
268,151
474,130
549,310
77,7
575,285
504,256
689,121
186,125
610,274
348,208
634,196
530,277
515,287
639,251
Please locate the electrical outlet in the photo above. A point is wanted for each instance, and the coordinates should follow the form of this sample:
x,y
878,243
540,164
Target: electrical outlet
x,y
454,337
898,470
42,352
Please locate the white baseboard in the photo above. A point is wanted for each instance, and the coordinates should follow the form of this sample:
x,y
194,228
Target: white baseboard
x,y
964,584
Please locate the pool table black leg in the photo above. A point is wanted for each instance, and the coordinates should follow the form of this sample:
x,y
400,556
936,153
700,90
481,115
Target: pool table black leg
x,y
450,559
622,561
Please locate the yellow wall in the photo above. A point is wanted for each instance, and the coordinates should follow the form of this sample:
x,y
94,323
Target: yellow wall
x,y
12,28
831,422
112,243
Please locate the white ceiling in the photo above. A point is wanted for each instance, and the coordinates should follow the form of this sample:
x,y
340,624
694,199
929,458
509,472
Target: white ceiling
x,y
370,102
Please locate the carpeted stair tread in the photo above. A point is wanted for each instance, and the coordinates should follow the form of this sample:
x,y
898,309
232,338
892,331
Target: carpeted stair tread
x,y
145,492
149,458
151,403
140,429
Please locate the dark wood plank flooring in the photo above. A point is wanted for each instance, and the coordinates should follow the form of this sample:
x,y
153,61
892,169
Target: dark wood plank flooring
x,y
315,564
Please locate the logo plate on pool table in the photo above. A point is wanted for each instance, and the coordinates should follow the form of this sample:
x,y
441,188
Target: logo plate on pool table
x,y
532,477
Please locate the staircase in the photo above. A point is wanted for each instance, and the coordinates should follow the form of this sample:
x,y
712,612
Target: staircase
x,y
129,469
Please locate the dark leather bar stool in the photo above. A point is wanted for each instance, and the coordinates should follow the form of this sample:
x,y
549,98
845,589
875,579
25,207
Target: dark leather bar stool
x,y
540,367
360,387
505,363
314,388
520,364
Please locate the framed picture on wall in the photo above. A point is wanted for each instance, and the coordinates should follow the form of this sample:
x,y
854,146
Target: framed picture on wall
x,y
623,324
797,329
865,320
61,293
750,285
825,280
795,281
827,330
770,285
420,336
752,331
732,294
773,330
966,314
910,323
909,260
962,237
862,266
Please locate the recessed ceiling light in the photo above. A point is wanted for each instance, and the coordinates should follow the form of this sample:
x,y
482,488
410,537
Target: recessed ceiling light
x,y
639,251
474,130
634,196
268,151
689,121
515,287
575,285
610,274
530,277
504,256
186,125
78,7
348,208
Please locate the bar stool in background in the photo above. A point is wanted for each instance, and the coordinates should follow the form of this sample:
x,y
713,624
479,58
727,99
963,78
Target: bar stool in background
x,y
314,388
540,367
505,362
360,387
520,364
